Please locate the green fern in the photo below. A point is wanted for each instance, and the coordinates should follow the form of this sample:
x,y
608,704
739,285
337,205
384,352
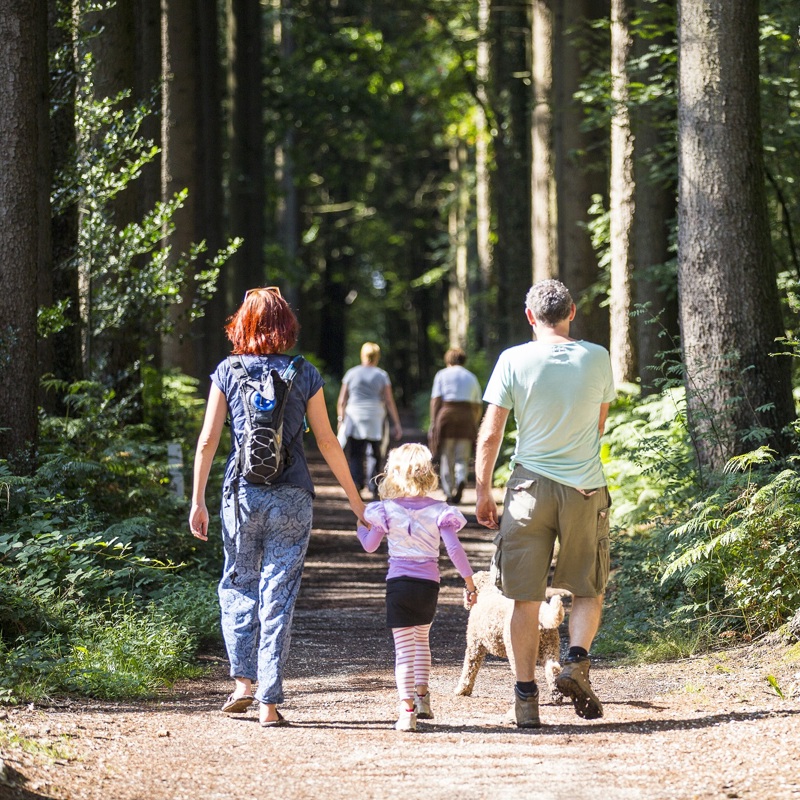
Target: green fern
x,y
741,544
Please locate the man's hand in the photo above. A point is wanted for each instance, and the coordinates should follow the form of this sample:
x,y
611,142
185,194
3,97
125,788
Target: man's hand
x,y
486,510
490,437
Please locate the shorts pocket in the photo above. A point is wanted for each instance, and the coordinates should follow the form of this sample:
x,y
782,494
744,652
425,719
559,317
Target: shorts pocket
x,y
495,567
602,566
520,499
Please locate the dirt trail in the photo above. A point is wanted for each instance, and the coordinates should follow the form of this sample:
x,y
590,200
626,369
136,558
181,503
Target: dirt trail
x,y
709,727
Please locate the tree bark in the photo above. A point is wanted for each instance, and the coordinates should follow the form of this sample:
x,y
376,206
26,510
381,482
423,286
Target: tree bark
x,y
287,207
543,222
246,178
208,333
621,199
65,346
45,291
482,183
458,288
119,352
179,158
652,223
575,150
146,86
729,304
509,93
23,92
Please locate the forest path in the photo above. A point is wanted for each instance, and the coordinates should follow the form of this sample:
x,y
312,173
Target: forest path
x,y
706,727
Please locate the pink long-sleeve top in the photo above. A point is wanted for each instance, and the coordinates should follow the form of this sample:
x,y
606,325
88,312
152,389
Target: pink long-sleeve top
x,y
414,527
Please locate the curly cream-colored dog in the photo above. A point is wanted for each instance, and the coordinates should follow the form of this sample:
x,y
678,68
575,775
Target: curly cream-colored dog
x,y
489,633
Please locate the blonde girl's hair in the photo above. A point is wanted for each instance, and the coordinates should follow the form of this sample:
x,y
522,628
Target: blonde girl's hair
x,y
409,473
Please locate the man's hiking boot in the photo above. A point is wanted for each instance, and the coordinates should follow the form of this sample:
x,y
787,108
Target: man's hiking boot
x,y
573,682
526,709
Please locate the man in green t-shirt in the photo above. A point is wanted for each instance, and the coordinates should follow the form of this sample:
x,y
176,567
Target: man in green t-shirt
x,y
560,390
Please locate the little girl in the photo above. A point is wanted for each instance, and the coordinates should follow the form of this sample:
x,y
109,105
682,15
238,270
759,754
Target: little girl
x,y
413,524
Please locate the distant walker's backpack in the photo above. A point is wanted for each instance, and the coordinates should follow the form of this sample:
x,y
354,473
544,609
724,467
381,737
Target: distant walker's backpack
x,y
262,456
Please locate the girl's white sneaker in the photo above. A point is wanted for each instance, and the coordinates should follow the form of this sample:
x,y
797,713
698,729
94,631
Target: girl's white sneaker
x,y
407,720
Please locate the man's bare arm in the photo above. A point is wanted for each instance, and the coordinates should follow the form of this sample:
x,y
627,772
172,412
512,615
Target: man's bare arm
x,y
603,417
490,437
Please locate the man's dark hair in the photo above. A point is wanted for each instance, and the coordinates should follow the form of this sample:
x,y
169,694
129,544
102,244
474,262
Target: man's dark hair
x,y
549,301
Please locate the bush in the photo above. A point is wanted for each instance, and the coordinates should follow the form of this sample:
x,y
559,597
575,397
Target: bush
x,y
120,652
647,456
739,554
93,552
692,562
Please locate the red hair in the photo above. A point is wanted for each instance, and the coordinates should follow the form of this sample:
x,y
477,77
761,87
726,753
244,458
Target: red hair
x,y
264,324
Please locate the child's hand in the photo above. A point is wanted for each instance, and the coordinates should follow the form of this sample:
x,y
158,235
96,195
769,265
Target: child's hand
x,y
470,597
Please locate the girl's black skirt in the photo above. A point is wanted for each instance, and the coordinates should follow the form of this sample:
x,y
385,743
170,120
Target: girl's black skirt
x,y
410,601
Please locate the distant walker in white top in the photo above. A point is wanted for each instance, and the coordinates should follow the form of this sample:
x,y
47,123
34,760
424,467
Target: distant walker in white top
x,y
456,409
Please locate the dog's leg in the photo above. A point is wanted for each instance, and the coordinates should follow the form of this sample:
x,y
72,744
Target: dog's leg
x,y
551,670
473,659
549,654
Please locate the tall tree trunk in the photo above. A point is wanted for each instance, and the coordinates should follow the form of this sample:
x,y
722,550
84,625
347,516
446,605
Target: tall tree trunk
x,y
458,289
246,178
147,86
23,92
655,213
119,351
147,188
288,205
335,265
729,304
179,157
575,149
483,333
543,223
113,47
621,199
45,287
509,36
208,332
65,352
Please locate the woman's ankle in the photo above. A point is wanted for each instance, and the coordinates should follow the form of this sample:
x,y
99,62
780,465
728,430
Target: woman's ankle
x,y
267,712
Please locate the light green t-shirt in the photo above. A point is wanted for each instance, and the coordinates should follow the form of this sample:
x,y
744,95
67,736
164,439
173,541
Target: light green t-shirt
x,y
555,391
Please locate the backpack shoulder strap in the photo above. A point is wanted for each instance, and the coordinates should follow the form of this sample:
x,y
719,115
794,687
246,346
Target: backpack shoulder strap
x,y
241,376
294,366
288,376
238,369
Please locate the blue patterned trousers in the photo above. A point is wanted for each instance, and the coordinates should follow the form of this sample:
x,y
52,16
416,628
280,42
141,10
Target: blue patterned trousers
x,y
264,557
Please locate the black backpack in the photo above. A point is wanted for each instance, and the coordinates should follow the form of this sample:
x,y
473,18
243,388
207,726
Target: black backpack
x,y
262,455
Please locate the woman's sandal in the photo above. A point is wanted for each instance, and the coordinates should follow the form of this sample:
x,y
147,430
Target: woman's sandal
x,y
275,723
237,705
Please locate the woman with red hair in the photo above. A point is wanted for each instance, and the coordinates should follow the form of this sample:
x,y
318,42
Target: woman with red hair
x,y
265,528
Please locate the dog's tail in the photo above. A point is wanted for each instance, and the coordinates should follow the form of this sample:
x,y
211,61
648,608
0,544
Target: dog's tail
x,y
551,613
